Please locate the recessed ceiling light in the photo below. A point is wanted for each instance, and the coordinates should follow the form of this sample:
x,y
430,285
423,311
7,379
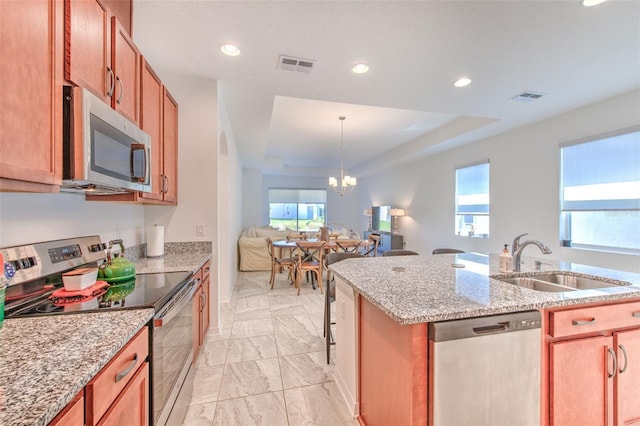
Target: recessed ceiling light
x,y
461,82
229,49
592,2
360,68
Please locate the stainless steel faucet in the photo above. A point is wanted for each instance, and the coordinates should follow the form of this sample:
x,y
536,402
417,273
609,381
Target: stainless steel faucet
x,y
518,247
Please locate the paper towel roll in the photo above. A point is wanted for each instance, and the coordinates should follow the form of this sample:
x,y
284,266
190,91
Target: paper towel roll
x,y
155,241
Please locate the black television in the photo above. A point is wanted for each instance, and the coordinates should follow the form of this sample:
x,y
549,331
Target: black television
x,y
381,219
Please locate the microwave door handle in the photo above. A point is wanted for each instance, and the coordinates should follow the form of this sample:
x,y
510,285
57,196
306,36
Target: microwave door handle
x,y
139,147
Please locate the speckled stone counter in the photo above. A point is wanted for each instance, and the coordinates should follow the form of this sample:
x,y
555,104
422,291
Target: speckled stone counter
x,y
417,289
46,361
178,257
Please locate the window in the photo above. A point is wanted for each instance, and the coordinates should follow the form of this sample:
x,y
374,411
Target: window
x,y
600,193
299,209
472,200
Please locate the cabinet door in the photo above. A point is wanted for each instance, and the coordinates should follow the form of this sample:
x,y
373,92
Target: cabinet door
x,y
197,298
31,101
87,50
581,391
170,153
125,60
132,405
151,122
628,378
72,414
206,313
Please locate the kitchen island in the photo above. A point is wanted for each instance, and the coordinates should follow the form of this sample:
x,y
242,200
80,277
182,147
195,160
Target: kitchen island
x,y
384,305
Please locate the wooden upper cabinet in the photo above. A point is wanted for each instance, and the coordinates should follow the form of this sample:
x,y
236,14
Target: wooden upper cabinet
x,y
87,47
100,56
151,95
170,152
31,102
125,61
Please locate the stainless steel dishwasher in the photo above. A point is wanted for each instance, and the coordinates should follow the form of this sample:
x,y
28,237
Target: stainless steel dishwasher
x,y
486,370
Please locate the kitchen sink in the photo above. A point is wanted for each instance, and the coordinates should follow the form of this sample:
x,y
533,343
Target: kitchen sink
x,y
561,281
534,284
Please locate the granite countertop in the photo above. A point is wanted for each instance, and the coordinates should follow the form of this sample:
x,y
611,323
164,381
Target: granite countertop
x,y
46,361
431,289
178,257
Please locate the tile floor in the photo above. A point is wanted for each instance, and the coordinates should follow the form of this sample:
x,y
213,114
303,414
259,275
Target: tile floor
x,y
269,365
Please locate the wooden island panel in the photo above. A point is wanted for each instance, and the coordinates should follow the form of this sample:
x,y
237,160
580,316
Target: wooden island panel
x,y
393,369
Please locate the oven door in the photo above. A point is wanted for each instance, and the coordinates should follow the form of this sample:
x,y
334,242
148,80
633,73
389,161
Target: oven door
x,y
172,350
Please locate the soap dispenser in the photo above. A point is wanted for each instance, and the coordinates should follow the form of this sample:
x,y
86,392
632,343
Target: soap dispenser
x,y
506,260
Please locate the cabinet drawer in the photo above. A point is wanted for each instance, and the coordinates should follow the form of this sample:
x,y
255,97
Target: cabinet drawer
x,y
594,319
105,387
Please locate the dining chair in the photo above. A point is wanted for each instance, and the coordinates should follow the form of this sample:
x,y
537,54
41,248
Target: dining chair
x,y
374,241
349,246
446,250
310,259
399,253
330,297
280,262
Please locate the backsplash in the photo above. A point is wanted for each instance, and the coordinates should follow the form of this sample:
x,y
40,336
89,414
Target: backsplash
x,y
136,252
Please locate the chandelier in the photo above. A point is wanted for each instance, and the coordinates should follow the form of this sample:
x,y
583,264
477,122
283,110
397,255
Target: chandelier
x,y
347,183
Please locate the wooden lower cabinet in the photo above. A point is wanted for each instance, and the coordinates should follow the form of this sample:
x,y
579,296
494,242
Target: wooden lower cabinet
x,y
132,405
594,365
627,396
581,382
201,310
72,414
121,387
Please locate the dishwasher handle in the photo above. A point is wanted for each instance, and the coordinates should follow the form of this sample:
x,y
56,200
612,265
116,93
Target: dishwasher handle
x,y
491,329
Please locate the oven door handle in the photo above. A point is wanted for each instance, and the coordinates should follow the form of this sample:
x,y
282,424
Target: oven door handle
x,y
174,306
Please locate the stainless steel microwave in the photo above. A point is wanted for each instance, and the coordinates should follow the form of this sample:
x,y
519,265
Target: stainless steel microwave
x,y
103,152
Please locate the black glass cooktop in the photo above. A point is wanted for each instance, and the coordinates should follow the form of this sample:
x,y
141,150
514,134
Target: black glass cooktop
x,y
145,290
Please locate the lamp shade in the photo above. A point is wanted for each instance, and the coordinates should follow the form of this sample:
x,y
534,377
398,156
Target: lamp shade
x,y
396,212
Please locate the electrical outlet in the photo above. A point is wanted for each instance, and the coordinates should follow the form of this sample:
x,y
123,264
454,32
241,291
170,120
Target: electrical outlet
x,y
118,234
200,230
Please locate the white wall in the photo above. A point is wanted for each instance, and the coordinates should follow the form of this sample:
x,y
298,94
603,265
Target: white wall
x,y
231,198
342,210
524,173
28,218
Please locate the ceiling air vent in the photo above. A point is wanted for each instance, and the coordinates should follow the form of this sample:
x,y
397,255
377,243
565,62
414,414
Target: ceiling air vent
x,y
526,97
290,63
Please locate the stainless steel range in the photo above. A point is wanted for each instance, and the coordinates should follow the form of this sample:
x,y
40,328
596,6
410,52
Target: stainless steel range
x,y
38,276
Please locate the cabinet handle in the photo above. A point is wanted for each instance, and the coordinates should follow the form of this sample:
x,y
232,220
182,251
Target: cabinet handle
x,y
615,362
127,370
624,352
587,322
119,80
206,270
636,314
112,86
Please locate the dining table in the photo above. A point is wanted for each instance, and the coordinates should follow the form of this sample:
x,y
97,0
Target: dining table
x,y
331,246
